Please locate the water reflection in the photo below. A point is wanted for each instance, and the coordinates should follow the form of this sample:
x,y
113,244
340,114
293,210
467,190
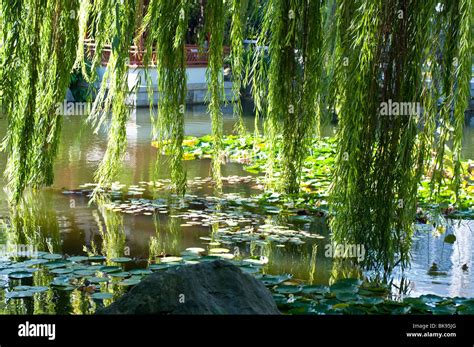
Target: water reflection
x,y
67,224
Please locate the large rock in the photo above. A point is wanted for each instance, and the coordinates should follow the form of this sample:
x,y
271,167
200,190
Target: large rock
x,y
216,287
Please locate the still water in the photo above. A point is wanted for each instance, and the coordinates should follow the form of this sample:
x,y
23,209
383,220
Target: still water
x,y
68,223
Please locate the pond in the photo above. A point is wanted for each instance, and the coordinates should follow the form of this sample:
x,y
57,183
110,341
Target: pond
x,y
70,225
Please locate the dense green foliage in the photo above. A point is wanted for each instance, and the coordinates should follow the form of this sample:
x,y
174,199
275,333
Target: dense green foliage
x,y
39,41
386,52
292,32
165,24
311,57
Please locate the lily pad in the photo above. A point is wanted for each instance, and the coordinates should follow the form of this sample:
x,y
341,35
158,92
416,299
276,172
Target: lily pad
x,y
52,256
121,274
155,267
315,289
96,280
130,282
121,260
451,238
288,289
271,280
141,272
110,269
78,259
102,296
19,294
17,275
61,271
170,259
84,272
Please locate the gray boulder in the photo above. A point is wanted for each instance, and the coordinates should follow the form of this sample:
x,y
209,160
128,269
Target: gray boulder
x,y
216,287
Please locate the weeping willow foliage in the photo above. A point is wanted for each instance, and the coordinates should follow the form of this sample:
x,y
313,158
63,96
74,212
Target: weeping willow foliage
x,y
114,24
39,41
214,27
238,11
348,55
292,32
386,51
166,25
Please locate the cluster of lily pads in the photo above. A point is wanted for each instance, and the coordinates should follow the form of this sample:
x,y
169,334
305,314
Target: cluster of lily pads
x,y
353,296
316,174
237,218
94,274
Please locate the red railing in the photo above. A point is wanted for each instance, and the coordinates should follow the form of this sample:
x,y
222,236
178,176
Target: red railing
x,y
195,56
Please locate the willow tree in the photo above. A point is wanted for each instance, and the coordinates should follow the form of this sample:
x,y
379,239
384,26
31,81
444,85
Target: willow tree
x,y
397,51
386,52
214,28
166,25
238,21
114,23
289,84
39,40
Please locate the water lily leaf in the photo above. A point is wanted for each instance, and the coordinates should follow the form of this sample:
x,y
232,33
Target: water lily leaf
x,y
20,288
319,308
170,259
102,296
20,275
315,289
344,287
52,256
121,260
272,280
155,267
96,280
288,289
430,298
129,282
250,269
141,272
61,281
256,261
346,296
84,272
56,264
218,250
451,238
196,250
78,259
19,294
61,271
39,289
443,310
110,269
121,274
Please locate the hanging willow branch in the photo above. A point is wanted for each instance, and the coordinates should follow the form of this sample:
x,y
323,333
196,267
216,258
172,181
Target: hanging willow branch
x,y
166,26
117,21
238,10
292,32
383,54
40,39
215,20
